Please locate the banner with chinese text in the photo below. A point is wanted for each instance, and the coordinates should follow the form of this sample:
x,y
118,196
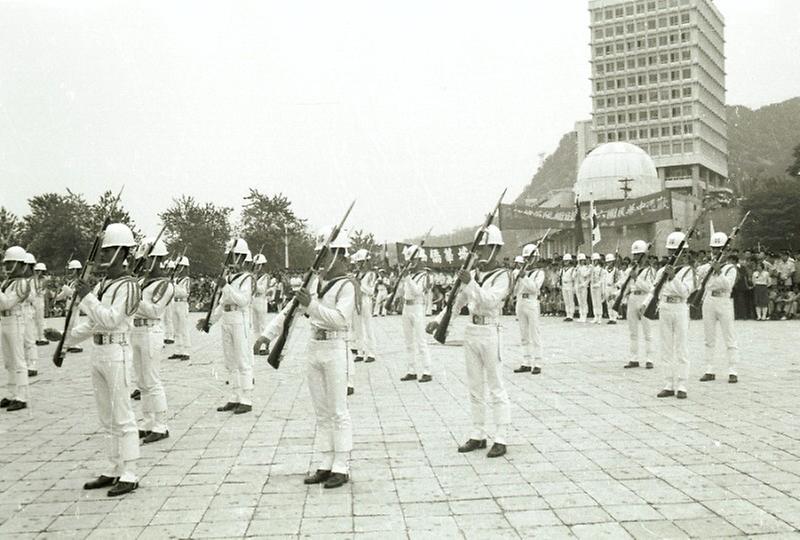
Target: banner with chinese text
x,y
438,257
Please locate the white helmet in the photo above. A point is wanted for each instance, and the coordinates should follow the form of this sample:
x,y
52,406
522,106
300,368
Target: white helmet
x,y
117,235
718,239
567,257
674,239
409,250
360,255
638,247
238,246
519,259
74,264
170,265
30,259
529,249
342,240
184,261
493,236
581,257
596,257
40,266
14,254
258,259
248,257
610,257
158,250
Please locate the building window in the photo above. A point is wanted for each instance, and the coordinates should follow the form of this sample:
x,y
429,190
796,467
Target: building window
x,y
676,129
621,136
664,94
631,63
687,73
662,4
674,93
685,36
653,133
652,78
686,55
599,86
609,31
642,97
676,111
632,135
677,148
653,114
598,34
685,18
688,147
673,20
621,118
665,131
632,117
651,24
612,136
662,22
642,133
621,65
665,148
639,8
663,76
601,103
609,14
673,39
619,47
619,30
688,128
662,40
601,137
598,51
642,116
653,150
687,110
601,120
618,12
687,91
631,81
641,61
620,83
612,119
651,6
600,68
629,10
629,28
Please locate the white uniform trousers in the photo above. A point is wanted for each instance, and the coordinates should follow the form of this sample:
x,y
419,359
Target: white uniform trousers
x,y
636,320
609,298
167,318
38,306
12,347
364,331
568,292
597,304
109,379
147,344
180,311
238,356
528,316
673,323
31,352
583,302
719,309
485,368
259,314
327,378
380,302
419,358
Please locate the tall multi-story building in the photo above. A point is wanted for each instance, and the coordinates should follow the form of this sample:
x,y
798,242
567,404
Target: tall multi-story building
x,y
658,81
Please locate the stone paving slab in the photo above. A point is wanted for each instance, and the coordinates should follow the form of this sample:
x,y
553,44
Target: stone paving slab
x,y
592,452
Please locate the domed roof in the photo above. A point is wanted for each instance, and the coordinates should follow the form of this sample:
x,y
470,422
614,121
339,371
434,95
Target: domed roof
x,y
601,170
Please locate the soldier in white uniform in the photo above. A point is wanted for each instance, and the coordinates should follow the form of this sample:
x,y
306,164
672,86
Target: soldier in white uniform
x,y
718,307
233,308
29,316
484,290
583,276
639,287
110,307
415,285
528,288
330,303
74,268
568,286
611,286
673,321
597,281
180,310
147,339
381,294
362,323
40,287
260,302
168,319
14,292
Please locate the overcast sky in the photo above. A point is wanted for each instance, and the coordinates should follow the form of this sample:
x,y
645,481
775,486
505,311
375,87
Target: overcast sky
x,y
422,110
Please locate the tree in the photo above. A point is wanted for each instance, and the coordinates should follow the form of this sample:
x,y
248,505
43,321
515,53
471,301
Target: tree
x,y
266,221
794,168
56,228
203,229
9,228
109,206
363,240
775,214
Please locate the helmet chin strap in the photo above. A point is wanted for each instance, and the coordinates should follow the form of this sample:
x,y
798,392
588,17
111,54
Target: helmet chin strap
x,y
333,260
489,259
110,263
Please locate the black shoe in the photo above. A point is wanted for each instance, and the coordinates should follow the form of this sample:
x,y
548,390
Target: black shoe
x,y
496,450
666,393
522,369
611,322
409,377
5,402
369,359
100,482
42,342
241,408
631,364
173,356
169,341
336,480
358,359
17,405
262,352
155,436
733,379
567,319
472,444
144,433
183,357
136,394
354,352
680,394
75,349
708,377
121,488
648,365
32,373
317,478
425,378
229,406
350,390
536,370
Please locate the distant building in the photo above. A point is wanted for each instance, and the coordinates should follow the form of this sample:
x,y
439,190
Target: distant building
x,y
658,81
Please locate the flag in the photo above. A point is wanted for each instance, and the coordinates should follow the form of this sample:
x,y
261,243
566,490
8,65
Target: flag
x,y
578,225
595,224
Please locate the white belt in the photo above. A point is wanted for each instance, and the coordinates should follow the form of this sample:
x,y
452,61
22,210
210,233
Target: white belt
x,y
179,299
674,300
139,323
16,310
484,320
719,294
228,308
108,339
529,296
320,334
413,303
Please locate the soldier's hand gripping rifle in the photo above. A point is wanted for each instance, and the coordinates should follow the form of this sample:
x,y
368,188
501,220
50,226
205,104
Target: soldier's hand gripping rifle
x,y
621,294
276,351
698,299
440,334
404,271
525,265
651,310
205,326
58,354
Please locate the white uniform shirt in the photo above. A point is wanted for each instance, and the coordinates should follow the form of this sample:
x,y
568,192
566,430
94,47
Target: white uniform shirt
x,y
262,285
13,293
583,276
530,284
182,287
237,293
156,295
484,294
722,282
597,278
415,286
110,307
645,281
681,285
368,281
568,277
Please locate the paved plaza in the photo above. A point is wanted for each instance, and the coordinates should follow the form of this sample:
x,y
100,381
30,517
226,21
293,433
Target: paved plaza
x,y
592,452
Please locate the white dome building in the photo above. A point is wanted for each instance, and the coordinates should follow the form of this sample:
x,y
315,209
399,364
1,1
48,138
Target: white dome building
x,y
602,169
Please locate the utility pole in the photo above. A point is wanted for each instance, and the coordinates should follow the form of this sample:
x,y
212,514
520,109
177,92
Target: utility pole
x,y
286,246
625,188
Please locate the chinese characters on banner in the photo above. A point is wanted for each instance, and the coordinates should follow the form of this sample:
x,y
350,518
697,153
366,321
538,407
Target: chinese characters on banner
x,y
438,257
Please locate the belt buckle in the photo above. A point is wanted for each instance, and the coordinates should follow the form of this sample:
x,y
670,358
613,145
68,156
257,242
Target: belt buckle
x,y
478,319
320,334
526,295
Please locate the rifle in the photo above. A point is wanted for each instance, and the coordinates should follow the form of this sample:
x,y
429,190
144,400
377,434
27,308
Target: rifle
x,y
275,352
403,272
177,263
440,334
698,300
148,252
58,354
621,294
651,311
225,264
